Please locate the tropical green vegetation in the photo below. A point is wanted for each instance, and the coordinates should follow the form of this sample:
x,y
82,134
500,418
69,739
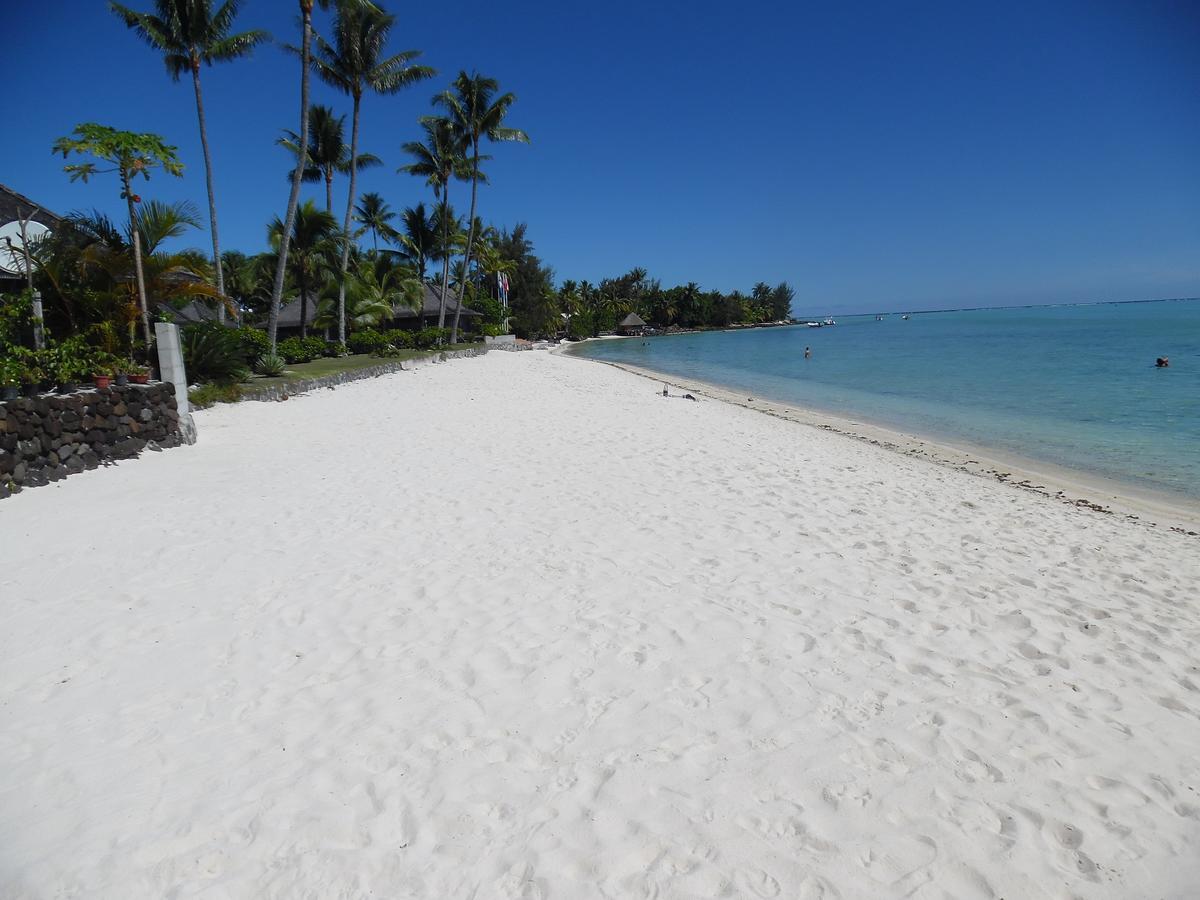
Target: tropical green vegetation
x,y
352,272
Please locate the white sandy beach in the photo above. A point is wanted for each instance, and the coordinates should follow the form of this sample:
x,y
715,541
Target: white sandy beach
x,y
518,627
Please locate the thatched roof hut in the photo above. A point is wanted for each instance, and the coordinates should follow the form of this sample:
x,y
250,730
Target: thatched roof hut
x,y
631,324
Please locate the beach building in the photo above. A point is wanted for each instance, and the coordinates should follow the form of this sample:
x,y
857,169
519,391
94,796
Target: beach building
x,y
631,324
402,316
19,215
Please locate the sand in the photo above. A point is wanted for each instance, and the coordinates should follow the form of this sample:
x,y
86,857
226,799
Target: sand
x,y
516,626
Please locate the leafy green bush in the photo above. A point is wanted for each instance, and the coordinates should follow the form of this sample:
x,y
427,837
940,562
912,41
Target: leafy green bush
x,y
208,394
301,350
255,344
335,348
492,330
399,338
213,353
390,351
271,366
367,341
427,338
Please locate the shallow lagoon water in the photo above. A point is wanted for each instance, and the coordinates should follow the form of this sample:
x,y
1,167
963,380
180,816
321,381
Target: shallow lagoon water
x,y
1075,386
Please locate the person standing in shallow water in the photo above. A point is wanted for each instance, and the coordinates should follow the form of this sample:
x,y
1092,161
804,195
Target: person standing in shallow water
x,y
1162,363
807,353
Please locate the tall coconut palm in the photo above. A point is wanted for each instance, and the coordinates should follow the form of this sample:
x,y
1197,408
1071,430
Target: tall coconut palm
x,y
374,214
477,113
281,260
328,153
353,64
438,161
315,241
188,33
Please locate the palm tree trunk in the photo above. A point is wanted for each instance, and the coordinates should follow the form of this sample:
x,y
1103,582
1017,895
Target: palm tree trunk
x,y
445,252
341,313
137,262
462,288
303,303
329,190
212,197
301,160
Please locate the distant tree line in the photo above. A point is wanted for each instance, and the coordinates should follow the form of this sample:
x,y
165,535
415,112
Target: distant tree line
x,y
582,309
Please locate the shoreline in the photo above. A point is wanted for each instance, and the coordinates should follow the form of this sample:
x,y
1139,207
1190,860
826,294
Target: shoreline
x,y
1069,486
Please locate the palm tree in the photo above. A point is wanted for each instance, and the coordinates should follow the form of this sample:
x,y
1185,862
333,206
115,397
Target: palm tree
x,y
353,65
315,240
418,237
375,288
327,150
438,160
188,33
373,213
477,113
305,54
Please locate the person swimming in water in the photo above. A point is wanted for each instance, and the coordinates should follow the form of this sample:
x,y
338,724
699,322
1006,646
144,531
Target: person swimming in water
x,y
807,353
1162,363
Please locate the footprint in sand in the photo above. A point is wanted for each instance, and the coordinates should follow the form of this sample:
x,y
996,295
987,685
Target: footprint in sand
x,y
757,884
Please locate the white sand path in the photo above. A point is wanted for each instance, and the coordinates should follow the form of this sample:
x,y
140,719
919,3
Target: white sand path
x,y
518,627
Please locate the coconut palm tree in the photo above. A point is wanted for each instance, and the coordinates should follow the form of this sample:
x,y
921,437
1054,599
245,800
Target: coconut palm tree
x,y
188,33
353,64
438,161
305,54
328,153
417,238
374,214
377,285
315,241
477,113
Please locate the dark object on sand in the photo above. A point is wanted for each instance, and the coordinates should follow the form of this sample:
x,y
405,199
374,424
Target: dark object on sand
x,y
665,394
689,397
1162,363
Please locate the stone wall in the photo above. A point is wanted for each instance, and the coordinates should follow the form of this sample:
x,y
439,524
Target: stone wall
x,y
300,385
49,437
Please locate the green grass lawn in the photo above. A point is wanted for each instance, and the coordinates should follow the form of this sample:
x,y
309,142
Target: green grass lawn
x,y
332,365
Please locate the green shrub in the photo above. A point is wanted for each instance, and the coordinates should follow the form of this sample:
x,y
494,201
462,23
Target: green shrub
x,y
399,338
493,330
300,350
390,351
271,366
427,338
335,348
213,353
255,344
367,341
208,394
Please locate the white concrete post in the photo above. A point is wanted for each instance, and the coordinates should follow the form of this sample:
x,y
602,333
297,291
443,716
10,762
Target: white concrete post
x,y
170,366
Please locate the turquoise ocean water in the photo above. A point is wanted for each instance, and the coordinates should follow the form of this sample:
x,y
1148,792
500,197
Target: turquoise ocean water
x,y
1075,386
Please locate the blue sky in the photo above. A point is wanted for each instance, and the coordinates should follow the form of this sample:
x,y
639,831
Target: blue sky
x,y
875,155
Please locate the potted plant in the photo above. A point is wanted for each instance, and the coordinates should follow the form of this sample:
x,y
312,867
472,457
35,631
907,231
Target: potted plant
x,y
139,374
33,372
10,377
102,368
72,363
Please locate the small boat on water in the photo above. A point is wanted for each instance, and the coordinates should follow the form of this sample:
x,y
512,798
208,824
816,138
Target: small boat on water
x,y
905,316
828,321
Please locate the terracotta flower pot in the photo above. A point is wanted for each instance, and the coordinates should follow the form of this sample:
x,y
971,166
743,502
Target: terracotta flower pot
x,y
101,381
139,379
